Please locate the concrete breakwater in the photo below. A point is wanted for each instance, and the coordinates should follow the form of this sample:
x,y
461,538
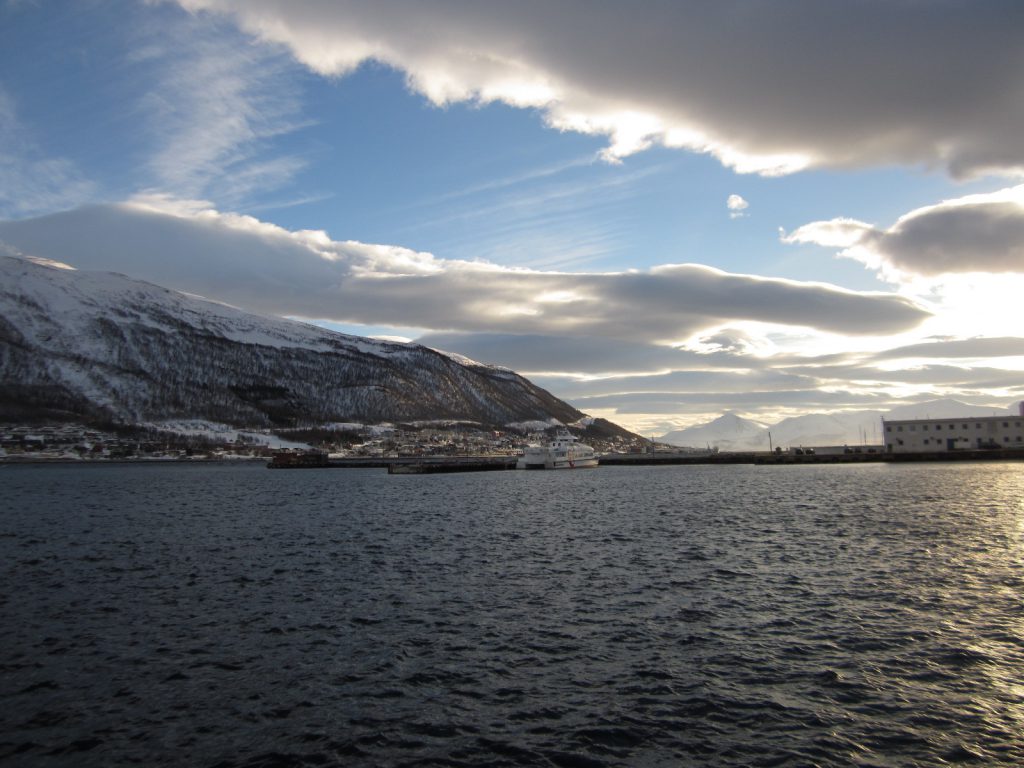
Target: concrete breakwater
x,y
396,465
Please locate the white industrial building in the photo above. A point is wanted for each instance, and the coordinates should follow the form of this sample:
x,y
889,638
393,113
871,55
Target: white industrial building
x,y
962,434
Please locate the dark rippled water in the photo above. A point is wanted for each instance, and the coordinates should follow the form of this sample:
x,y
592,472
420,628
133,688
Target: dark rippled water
x,y
206,615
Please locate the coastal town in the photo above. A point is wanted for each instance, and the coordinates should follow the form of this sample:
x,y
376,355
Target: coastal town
x,y
380,445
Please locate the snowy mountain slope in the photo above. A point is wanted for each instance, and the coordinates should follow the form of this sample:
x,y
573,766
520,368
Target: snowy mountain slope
x,y
728,432
820,429
105,347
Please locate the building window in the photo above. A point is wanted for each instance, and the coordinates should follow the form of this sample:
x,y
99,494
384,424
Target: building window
x,y
925,427
899,429
937,427
926,441
1006,423
963,426
888,429
977,426
913,428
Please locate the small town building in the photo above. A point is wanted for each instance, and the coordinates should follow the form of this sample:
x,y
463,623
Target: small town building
x,y
960,434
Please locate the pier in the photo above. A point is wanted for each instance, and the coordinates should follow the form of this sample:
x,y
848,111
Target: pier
x,y
395,465
430,466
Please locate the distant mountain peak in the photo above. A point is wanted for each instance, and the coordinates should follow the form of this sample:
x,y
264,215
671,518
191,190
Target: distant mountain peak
x,y
730,417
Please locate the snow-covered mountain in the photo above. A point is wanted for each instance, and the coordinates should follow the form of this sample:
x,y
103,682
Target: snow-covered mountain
x,y
728,432
817,429
103,347
734,433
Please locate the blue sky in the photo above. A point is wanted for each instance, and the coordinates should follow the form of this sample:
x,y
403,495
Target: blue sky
x,y
521,183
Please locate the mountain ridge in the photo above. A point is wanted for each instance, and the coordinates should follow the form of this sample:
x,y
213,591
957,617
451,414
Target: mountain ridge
x,y
103,347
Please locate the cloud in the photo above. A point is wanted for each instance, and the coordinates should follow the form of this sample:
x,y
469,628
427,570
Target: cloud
x,y
977,348
736,205
31,181
259,266
835,233
764,87
975,233
749,402
580,356
558,225
212,108
963,380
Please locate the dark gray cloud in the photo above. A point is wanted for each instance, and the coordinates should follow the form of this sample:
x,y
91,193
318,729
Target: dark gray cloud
x,y
940,376
979,348
980,237
264,268
576,354
756,376
977,233
749,402
769,87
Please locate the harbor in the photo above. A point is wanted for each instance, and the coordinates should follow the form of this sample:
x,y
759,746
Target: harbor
x,y
425,465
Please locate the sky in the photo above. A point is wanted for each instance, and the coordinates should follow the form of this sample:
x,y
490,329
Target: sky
x,y
659,211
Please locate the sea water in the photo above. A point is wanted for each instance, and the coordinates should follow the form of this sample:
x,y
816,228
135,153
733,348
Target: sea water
x,y
228,615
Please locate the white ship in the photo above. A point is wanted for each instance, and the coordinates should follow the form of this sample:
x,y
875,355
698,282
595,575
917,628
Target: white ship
x,y
563,451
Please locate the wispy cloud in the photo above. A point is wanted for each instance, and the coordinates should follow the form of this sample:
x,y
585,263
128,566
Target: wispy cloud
x,y
31,181
212,108
532,175
539,220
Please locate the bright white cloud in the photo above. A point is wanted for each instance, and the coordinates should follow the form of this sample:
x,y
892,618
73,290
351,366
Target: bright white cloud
x,y
737,206
767,88
262,267
836,233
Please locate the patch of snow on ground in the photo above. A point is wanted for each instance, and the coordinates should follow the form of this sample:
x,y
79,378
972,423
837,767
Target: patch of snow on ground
x,y
221,433
444,423
534,426
470,363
